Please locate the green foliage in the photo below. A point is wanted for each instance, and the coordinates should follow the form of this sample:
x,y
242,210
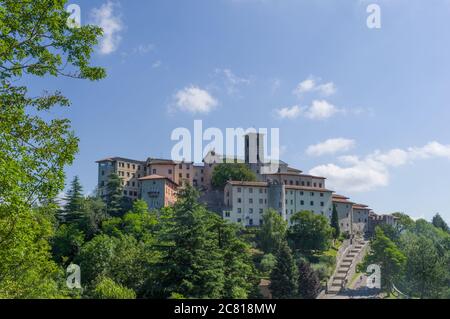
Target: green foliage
x,y
439,222
35,41
284,277
231,171
427,270
308,281
116,203
388,256
335,223
106,288
310,233
66,243
73,208
268,263
192,263
272,233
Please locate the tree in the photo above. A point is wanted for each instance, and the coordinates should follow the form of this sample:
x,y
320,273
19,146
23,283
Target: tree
x,y
426,271
387,255
231,171
439,222
66,243
192,263
268,263
106,288
335,223
284,277
239,270
35,41
308,281
310,232
403,222
93,215
116,203
272,232
72,212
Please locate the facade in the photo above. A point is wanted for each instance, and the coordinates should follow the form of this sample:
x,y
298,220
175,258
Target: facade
x,y
127,169
344,209
378,220
158,191
361,219
287,190
246,202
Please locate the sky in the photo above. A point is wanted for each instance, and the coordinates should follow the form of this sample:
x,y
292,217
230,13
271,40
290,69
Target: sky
x,y
368,108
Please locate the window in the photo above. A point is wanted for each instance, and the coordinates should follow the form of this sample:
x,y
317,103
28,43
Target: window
x,y
250,222
250,200
170,171
134,166
309,184
322,204
133,184
239,210
188,175
320,185
239,200
128,165
261,211
260,190
227,214
180,175
188,166
180,166
239,220
315,184
302,202
250,211
312,194
103,173
154,171
292,202
311,203
297,183
303,183
261,201
250,190
239,190
125,193
302,193
321,194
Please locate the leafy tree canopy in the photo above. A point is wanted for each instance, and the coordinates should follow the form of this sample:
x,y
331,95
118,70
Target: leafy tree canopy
x,y
231,171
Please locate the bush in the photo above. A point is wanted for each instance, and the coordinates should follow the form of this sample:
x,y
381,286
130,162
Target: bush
x,y
106,288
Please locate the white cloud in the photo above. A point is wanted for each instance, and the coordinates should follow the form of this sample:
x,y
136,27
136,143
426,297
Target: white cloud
x,y
195,100
111,23
311,85
156,64
331,146
357,174
289,112
318,110
321,110
232,81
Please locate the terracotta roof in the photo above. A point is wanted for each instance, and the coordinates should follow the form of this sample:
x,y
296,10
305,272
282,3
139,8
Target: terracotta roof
x,y
306,188
265,184
340,196
156,177
361,206
312,176
342,201
294,170
246,183
123,159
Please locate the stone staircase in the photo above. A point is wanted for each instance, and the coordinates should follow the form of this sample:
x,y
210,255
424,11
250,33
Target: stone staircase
x,y
343,269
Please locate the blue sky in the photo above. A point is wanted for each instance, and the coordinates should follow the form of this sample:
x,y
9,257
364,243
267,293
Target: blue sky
x,y
367,108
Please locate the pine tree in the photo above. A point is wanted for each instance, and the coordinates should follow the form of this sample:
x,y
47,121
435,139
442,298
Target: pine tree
x,y
114,196
308,281
284,277
73,211
335,223
192,264
439,222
